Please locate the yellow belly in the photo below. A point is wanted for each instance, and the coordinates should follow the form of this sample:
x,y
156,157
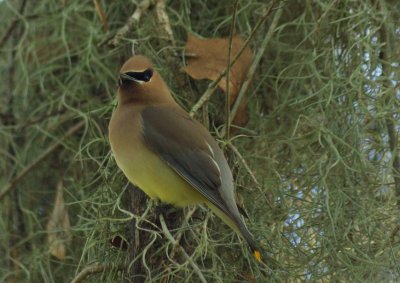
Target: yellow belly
x,y
151,174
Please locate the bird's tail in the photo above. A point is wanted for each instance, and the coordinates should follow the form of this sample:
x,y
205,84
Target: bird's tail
x,y
256,251
238,225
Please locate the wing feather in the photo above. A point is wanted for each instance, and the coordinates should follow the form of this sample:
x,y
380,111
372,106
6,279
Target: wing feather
x,y
182,143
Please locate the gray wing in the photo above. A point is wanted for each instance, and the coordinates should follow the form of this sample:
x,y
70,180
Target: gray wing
x,y
182,144
188,148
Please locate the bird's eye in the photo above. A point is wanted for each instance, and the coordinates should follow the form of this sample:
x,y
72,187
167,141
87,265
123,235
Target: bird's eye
x,y
148,74
140,77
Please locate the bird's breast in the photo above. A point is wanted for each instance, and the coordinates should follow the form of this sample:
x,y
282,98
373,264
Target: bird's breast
x,y
142,166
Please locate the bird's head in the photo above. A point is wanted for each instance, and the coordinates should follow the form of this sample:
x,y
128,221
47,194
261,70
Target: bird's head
x,y
137,69
138,81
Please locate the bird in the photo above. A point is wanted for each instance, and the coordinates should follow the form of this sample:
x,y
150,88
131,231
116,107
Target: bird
x,y
166,153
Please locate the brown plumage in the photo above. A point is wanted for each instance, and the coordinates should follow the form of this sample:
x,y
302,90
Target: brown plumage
x,y
165,152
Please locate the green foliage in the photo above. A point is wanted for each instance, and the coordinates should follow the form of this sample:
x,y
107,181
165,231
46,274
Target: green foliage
x,y
322,142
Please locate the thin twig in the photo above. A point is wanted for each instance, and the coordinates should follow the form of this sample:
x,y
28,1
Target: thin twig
x,y
228,67
13,24
92,269
395,231
256,63
181,230
245,87
163,20
7,188
131,22
246,166
391,128
175,243
213,86
101,14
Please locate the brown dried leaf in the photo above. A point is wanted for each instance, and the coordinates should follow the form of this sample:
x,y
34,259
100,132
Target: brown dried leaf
x,y
58,226
209,58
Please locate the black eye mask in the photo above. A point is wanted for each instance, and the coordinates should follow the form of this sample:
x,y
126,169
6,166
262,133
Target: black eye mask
x,y
139,77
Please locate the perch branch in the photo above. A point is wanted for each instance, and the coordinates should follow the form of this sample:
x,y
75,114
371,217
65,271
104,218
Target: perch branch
x,y
175,243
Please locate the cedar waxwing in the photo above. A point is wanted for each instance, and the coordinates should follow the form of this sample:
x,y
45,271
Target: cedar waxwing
x,y
166,153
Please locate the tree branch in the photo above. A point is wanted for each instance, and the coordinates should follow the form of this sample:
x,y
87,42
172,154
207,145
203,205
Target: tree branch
x,y
92,269
7,188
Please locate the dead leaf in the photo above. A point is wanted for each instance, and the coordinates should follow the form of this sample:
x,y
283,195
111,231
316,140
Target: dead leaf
x,y
209,58
58,226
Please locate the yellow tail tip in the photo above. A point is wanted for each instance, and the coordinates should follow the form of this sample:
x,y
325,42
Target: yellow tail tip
x,y
257,255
